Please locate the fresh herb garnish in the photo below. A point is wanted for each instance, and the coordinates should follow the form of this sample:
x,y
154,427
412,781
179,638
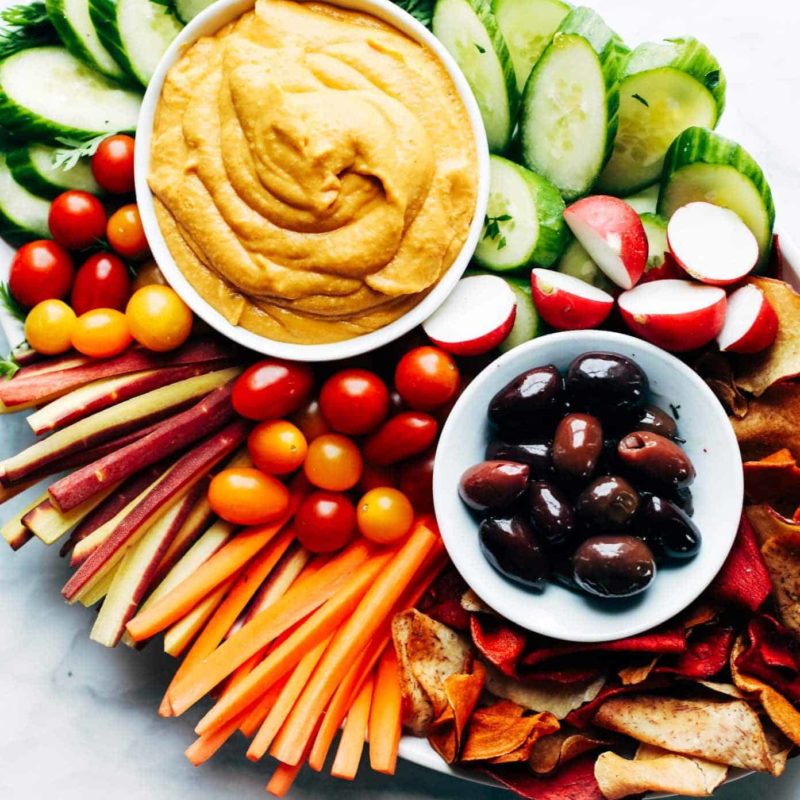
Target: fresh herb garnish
x,y
641,100
491,229
25,26
8,302
480,49
8,367
421,10
75,149
712,79
675,411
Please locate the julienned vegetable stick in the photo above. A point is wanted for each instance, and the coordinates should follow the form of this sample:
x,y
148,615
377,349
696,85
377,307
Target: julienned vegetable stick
x,y
285,700
259,711
282,779
235,602
362,666
320,625
351,743
267,626
221,565
296,734
205,747
386,715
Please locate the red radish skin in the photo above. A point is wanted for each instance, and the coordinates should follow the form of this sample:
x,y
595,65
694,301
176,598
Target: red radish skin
x,y
476,317
613,235
568,303
712,243
669,270
751,323
677,315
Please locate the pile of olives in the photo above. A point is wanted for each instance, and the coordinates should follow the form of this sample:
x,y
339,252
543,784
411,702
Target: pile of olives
x,y
585,482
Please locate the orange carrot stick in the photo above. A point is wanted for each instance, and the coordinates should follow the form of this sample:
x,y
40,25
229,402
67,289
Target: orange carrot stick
x,y
205,747
287,698
295,736
351,743
322,624
386,715
282,779
237,552
259,711
299,601
362,666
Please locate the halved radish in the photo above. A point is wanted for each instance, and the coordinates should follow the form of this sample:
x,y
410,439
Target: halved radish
x,y
569,303
712,243
613,235
475,318
676,315
751,323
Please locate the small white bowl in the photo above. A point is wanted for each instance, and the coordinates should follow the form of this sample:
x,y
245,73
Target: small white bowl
x,y
208,23
717,491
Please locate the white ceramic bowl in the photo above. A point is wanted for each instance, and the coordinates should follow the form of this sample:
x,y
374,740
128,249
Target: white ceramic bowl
x,y
717,490
207,23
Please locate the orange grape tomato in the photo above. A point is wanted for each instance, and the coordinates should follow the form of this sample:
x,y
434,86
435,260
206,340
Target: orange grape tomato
x,y
325,522
427,378
333,462
159,319
277,447
125,232
49,327
384,515
247,496
101,333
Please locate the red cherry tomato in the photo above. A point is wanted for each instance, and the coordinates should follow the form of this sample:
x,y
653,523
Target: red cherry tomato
x,y
112,164
354,401
373,477
273,388
77,219
40,270
102,282
427,378
416,481
406,435
325,522
125,232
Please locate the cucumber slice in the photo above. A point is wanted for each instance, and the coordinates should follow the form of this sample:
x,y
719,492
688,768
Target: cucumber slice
x,y
524,220
579,264
74,25
187,10
569,110
655,228
644,202
666,88
469,30
135,32
32,168
527,323
528,26
23,216
45,93
702,165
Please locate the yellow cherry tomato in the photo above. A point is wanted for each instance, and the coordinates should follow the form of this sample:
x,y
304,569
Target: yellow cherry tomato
x,y
159,319
49,327
277,447
333,462
384,515
101,333
125,232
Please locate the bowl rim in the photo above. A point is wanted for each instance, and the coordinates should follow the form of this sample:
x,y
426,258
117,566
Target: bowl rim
x,y
452,533
210,21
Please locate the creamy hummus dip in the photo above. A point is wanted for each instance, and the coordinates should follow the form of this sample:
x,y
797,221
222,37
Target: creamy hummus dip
x,y
314,171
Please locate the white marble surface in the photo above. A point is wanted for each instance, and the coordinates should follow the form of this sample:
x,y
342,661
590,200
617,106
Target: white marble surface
x,y
78,722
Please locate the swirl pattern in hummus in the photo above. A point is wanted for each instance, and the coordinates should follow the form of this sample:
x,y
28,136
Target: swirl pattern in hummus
x,y
313,169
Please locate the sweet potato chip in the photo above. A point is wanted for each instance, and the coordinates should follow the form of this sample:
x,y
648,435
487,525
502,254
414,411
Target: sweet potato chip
x,y
575,781
725,733
743,580
498,641
716,370
770,423
774,480
552,752
766,522
782,360
726,689
707,654
782,557
556,698
428,653
658,771
638,673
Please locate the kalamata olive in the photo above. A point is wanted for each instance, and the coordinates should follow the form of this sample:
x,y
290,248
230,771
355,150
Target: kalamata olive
x,y
668,530
682,497
656,420
577,445
606,382
614,566
529,401
511,546
551,513
493,484
608,502
538,455
656,457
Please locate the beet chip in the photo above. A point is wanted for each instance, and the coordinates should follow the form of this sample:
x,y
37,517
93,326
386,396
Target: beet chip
x,y
498,641
708,654
575,781
773,656
443,601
